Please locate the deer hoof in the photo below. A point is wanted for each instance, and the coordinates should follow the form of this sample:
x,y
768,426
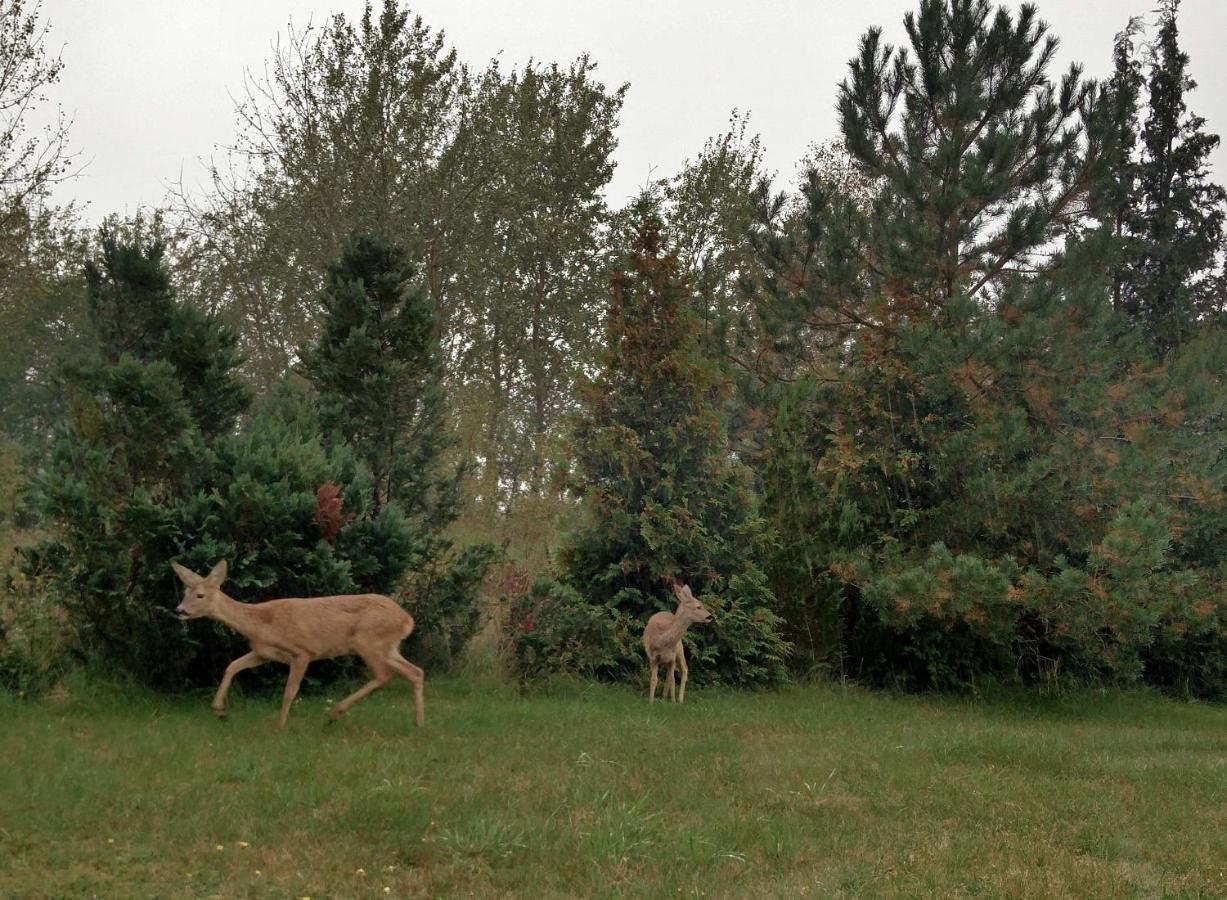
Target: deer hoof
x,y
334,714
219,711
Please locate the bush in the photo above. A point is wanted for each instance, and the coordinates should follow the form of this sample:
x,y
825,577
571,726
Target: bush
x,y
251,498
552,629
441,599
35,639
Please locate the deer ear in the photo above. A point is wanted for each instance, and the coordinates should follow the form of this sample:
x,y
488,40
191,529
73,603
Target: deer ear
x,y
218,575
187,576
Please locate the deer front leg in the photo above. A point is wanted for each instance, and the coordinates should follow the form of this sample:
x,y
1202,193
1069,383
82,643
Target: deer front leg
x,y
670,683
298,668
681,658
248,661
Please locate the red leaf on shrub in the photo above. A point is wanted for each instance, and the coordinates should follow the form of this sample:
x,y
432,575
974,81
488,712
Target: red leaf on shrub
x,y
328,513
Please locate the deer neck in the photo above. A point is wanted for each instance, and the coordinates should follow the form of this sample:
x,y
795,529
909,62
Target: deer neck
x,y
236,615
677,628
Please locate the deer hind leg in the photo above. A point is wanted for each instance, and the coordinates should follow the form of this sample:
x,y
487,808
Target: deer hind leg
x,y
381,674
652,681
415,676
248,661
680,656
298,668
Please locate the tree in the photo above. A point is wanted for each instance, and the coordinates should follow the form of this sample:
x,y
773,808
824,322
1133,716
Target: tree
x,y
961,450
40,246
377,369
981,157
1178,225
148,467
538,144
350,132
1113,197
662,496
29,164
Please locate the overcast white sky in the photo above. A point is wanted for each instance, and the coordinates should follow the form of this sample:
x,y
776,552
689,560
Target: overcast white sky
x,y
150,82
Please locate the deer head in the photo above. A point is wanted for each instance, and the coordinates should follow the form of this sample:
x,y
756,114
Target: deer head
x,y
688,605
200,594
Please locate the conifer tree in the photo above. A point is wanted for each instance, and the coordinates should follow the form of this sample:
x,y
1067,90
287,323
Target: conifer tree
x,y
378,372
1112,198
1179,210
662,495
377,368
980,154
134,312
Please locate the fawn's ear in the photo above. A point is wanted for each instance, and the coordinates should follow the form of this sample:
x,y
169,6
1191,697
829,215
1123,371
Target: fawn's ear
x,y
218,575
187,576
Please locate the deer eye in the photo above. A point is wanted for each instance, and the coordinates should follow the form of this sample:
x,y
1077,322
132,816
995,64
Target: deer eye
x,y
200,594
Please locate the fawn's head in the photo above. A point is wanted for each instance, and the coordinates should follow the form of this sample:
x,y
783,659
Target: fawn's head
x,y
200,593
689,605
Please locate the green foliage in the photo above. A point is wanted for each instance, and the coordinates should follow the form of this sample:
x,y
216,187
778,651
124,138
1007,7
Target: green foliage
x,y
977,472
1179,224
444,602
134,313
143,473
377,369
552,629
662,497
36,647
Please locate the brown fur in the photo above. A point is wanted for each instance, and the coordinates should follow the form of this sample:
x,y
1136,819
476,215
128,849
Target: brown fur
x,y
662,640
298,630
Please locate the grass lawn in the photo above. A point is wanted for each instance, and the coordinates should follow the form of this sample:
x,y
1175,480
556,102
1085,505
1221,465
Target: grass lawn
x,y
812,791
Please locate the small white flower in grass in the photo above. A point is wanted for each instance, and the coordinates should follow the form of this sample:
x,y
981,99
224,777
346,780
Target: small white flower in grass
x,y
258,872
244,844
387,890
360,871
221,847
110,840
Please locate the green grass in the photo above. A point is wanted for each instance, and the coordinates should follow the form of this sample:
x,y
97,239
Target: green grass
x,y
813,791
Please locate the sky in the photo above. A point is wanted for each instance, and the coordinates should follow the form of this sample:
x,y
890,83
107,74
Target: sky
x,y
151,84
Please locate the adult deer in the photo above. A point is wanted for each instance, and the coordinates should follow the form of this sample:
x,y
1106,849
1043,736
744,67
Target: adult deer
x,y
662,640
298,630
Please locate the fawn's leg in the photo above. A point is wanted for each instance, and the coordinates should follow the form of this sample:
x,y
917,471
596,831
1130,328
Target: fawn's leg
x,y
670,692
681,658
652,681
415,676
298,668
247,661
381,674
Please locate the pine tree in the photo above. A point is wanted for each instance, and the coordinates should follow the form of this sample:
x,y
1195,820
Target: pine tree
x,y
662,495
979,153
1179,226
